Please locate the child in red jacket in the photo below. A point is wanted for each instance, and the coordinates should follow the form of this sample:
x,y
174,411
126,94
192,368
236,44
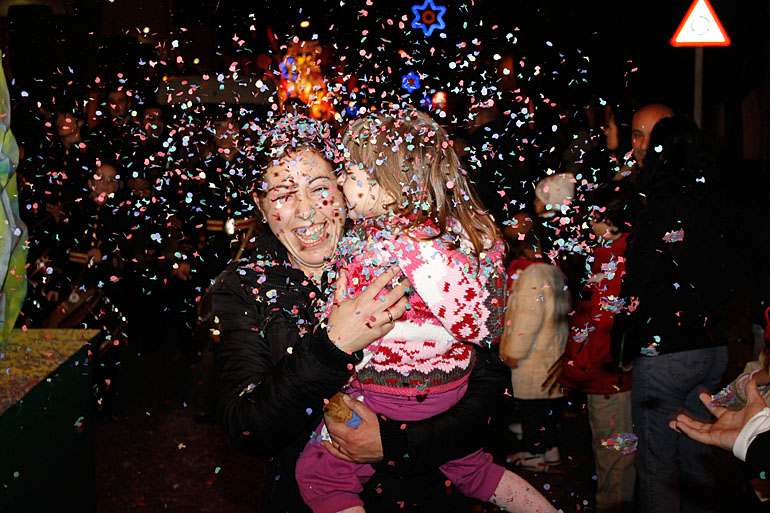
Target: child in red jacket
x,y
587,364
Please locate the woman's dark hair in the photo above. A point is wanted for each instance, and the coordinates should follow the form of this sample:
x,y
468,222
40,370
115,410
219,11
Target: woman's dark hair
x,y
289,135
617,203
152,104
69,109
103,158
675,155
622,117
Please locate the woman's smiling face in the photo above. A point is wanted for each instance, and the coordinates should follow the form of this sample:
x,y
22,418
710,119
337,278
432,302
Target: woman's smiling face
x,y
304,209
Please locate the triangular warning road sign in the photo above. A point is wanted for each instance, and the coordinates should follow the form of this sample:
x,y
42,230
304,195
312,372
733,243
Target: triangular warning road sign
x,y
700,27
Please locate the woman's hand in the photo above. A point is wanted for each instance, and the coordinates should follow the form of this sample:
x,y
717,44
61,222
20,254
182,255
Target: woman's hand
x,y
356,323
725,430
357,445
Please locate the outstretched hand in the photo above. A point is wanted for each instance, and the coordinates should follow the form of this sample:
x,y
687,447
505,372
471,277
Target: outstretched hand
x,y
359,445
729,423
356,323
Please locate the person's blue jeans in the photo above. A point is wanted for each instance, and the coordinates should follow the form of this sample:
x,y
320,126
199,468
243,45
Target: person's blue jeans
x,y
674,473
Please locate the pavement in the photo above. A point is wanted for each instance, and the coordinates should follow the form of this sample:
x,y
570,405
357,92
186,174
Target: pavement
x,y
153,453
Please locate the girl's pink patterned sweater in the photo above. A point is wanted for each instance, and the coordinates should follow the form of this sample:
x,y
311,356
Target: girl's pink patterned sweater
x,y
456,301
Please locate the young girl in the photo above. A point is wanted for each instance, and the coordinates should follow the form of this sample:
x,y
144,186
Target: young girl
x,y
414,208
536,329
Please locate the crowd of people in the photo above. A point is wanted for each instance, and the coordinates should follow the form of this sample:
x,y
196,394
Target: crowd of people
x,y
130,218
425,273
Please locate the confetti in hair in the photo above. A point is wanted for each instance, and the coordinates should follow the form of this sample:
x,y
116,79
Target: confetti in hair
x,y
291,134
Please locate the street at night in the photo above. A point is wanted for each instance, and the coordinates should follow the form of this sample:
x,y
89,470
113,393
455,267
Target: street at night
x,y
367,255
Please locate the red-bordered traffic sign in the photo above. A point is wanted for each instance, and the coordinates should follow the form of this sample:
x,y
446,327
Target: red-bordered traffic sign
x,y
700,27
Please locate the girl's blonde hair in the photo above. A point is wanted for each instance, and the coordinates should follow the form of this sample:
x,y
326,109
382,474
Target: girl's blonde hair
x,y
411,157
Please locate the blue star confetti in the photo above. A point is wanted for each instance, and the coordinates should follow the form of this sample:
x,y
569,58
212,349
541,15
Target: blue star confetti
x,y
410,81
428,17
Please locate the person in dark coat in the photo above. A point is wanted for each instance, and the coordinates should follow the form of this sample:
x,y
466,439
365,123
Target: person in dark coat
x,y
679,274
275,366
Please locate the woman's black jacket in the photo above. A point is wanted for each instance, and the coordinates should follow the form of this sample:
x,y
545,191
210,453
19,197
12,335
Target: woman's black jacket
x,y
274,369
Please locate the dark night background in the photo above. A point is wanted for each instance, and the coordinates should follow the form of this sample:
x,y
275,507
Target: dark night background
x,y
599,48
150,454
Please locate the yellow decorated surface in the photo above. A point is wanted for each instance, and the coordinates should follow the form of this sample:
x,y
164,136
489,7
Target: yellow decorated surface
x,y
27,357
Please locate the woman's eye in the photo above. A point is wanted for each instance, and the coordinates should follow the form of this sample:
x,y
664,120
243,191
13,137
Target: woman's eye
x,y
283,198
320,190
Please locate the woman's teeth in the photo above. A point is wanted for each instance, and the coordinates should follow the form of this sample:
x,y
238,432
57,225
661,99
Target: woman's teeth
x,y
310,234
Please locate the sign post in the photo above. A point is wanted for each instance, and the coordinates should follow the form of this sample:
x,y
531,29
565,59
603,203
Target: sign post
x,y
700,27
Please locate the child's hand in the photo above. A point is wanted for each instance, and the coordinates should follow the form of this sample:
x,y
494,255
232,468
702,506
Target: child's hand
x,y
52,296
761,377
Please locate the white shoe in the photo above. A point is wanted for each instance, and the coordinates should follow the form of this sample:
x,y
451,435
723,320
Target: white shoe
x,y
552,456
527,461
515,428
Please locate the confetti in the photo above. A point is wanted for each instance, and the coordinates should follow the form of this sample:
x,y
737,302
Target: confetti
x,y
625,443
674,236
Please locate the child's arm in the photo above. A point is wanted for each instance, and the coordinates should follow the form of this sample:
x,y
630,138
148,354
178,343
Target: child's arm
x,y
753,369
466,301
524,315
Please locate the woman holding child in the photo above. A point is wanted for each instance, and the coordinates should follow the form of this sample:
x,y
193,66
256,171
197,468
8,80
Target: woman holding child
x,y
276,365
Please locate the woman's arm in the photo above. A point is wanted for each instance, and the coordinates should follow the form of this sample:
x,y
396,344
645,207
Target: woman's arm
x,y
422,446
418,447
267,400
274,374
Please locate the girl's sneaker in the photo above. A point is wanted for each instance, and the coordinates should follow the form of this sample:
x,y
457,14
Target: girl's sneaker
x,y
528,461
516,429
552,456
